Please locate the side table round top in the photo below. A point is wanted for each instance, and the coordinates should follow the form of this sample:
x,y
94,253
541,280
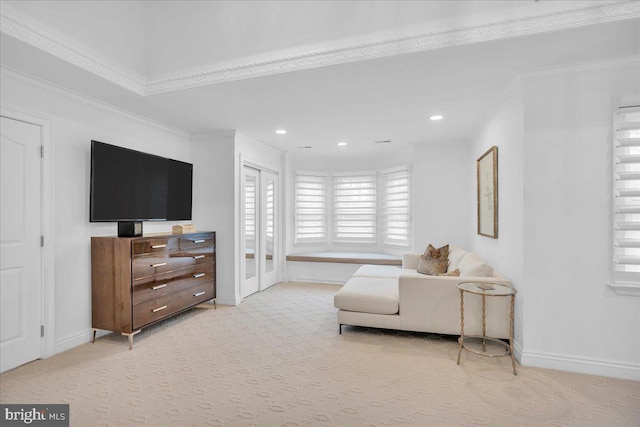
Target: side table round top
x,y
487,289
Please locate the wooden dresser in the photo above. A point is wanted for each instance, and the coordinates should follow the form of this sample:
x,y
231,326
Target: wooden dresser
x,y
138,281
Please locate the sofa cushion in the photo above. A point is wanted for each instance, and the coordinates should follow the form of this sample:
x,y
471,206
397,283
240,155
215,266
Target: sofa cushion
x,y
453,273
455,256
471,265
368,295
383,271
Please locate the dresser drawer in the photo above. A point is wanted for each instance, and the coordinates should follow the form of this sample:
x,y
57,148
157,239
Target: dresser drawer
x,y
162,284
151,265
194,241
167,305
155,245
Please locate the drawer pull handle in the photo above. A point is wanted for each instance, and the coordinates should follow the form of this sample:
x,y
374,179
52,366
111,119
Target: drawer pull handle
x,y
159,287
197,294
198,257
155,310
158,246
198,241
160,264
196,276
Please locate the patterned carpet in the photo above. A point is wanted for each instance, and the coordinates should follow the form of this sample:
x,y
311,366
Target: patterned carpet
x,y
277,360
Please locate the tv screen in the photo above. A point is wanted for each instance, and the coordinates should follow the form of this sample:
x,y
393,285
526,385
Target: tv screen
x,y
128,185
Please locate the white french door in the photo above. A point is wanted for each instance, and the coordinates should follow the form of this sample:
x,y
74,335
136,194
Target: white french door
x,y
20,249
260,222
269,236
251,231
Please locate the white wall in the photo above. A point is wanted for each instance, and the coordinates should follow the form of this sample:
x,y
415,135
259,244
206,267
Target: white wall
x,y
214,204
440,200
572,320
76,121
504,129
553,130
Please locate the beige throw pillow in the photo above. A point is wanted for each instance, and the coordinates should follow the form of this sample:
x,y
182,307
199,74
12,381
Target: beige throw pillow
x,y
434,261
442,252
432,266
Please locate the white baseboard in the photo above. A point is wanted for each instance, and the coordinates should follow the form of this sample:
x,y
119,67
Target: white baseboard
x,y
517,352
227,301
583,365
77,339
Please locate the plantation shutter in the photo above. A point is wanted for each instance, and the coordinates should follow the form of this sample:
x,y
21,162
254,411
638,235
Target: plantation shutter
x,y
310,208
395,208
250,210
354,208
626,148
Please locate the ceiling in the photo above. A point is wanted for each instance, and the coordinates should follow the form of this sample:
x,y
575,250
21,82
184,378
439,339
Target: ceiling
x,y
353,71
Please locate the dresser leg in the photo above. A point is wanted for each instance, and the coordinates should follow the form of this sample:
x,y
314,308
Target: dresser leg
x,y
93,339
130,336
214,305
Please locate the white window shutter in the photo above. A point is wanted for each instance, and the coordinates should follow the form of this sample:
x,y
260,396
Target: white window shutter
x,y
395,207
626,214
354,208
310,208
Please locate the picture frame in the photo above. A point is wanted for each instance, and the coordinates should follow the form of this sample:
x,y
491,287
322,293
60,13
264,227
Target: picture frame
x,y
487,170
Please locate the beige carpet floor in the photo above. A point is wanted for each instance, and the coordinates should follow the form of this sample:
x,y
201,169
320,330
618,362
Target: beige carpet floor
x,y
277,360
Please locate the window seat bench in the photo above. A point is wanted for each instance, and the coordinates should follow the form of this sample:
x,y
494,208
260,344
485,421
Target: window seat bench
x,y
374,258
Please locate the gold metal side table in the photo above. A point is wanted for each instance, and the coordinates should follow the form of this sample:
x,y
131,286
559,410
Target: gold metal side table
x,y
486,290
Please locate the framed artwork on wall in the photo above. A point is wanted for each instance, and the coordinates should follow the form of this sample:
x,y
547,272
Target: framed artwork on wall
x,y
487,166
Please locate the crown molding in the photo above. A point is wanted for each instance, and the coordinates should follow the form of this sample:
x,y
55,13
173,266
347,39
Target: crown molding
x,y
87,100
625,63
21,28
393,46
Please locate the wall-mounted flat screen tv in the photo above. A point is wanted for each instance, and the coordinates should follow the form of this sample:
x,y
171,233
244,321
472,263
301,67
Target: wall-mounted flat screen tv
x,y
129,185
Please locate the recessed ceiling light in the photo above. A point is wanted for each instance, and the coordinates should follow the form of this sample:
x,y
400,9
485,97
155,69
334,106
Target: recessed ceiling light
x,y
281,131
341,144
436,117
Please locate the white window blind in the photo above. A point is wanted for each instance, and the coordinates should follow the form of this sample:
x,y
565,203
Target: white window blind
x,y
250,210
626,250
269,217
395,209
354,208
310,208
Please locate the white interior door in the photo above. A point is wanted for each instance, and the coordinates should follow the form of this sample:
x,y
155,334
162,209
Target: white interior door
x,y
270,229
250,202
20,251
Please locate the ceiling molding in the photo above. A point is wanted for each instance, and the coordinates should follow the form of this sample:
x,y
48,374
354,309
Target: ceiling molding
x,y
396,46
93,102
18,27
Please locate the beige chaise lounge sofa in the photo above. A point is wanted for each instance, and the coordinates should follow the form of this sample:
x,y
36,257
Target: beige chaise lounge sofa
x,y
401,298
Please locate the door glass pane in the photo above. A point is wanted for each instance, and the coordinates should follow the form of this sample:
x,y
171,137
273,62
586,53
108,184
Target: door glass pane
x,y
250,225
270,224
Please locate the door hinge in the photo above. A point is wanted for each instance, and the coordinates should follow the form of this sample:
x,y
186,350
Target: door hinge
x,y
42,151
41,330
41,241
